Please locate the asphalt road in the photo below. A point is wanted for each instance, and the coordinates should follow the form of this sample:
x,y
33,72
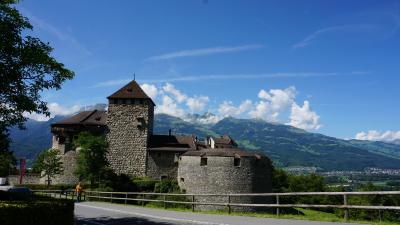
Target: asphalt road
x,y
96,213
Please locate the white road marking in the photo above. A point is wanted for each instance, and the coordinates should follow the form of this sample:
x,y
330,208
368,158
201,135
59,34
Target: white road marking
x,y
150,216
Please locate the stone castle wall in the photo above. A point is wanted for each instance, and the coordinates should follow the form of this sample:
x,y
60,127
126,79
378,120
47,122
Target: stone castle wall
x,y
220,176
69,165
162,164
28,179
127,142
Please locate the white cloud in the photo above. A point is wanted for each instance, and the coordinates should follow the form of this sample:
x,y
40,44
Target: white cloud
x,y
178,95
150,89
303,117
226,108
204,51
197,104
273,103
169,106
54,109
374,135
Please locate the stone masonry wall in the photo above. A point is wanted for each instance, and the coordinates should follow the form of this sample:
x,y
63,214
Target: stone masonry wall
x,y
220,176
162,164
127,143
69,165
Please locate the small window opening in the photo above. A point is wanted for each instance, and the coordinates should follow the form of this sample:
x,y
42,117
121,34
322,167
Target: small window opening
x,y
163,177
123,101
182,179
141,101
203,162
236,162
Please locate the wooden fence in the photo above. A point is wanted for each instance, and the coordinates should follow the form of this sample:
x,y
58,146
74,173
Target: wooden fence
x,y
141,198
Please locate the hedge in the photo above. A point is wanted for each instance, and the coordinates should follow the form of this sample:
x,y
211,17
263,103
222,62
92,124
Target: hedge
x,y
45,187
17,208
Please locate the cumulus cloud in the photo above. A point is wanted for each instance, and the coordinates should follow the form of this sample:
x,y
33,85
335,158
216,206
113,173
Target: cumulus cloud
x,y
273,103
150,89
374,135
170,89
169,106
226,108
197,104
54,109
303,117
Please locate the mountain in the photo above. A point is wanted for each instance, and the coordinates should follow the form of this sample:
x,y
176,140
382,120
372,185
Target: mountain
x,y
285,145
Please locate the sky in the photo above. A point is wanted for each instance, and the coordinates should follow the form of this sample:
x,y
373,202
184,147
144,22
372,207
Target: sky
x,y
330,67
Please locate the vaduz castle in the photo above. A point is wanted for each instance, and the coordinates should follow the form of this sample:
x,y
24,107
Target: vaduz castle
x,y
212,165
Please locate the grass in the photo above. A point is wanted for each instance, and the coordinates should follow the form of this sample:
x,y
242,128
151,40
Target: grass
x,y
310,215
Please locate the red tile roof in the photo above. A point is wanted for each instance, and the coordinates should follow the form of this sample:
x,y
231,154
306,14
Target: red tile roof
x,y
94,117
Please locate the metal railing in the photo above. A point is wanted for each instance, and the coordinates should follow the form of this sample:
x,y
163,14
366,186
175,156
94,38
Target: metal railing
x,y
141,198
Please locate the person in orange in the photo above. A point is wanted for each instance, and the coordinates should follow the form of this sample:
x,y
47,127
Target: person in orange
x,y
78,191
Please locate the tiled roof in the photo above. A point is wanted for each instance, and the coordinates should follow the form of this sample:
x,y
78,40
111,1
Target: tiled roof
x,y
94,117
224,152
130,91
171,143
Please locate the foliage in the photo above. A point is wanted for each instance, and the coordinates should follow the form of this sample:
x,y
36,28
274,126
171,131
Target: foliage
x,y
91,159
47,187
280,180
39,212
145,184
7,162
115,182
48,164
167,186
26,68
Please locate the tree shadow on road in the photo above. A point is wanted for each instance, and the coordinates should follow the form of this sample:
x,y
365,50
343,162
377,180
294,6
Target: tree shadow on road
x,y
120,221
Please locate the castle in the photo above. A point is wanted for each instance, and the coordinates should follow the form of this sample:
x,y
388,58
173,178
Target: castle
x,y
214,164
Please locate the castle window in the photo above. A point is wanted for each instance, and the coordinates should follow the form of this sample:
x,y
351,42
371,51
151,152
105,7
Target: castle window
x,y
123,101
236,162
141,101
182,179
203,162
163,177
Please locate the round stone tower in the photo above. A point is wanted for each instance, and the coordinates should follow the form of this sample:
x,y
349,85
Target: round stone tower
x,y
130,124
225,171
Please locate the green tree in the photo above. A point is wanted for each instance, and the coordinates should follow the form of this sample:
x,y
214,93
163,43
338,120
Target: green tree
x,y
7,159
49,164
91,160
26,69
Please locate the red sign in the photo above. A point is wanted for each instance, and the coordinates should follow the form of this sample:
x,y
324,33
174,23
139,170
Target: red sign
x,y
22,170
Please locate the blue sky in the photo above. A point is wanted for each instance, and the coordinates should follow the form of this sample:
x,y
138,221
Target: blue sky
x,y
327,66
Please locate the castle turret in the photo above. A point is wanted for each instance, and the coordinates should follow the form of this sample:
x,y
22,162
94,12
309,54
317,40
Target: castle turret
x,y
130,123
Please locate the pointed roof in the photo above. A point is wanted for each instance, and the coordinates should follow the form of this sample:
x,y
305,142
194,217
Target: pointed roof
x,y
132,91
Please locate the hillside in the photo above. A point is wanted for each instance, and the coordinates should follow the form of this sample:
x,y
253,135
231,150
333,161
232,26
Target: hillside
x,y
286,145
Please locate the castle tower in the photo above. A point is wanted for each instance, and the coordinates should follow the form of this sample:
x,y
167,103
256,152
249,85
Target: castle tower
x,y
130,123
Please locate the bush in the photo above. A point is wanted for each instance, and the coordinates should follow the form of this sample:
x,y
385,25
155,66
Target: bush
x,y
35,210
145,184
167,186
45,187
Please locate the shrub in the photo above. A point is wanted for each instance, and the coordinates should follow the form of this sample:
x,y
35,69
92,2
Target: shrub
x,y
35,210
167,186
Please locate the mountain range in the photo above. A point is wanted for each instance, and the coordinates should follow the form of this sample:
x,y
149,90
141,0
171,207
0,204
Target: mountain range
x,y
287,146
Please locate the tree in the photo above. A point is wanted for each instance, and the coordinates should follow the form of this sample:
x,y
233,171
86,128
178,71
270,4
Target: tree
x,y
26,68
91,159
7,159
49,164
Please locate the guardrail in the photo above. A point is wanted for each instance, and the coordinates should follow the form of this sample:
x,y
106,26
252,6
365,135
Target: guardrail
x,y
141,197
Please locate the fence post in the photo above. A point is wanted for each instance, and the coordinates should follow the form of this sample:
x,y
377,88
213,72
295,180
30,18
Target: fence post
x,y
165,204
126,197
192,203
346,210
144,196
111,197
277,203
229,204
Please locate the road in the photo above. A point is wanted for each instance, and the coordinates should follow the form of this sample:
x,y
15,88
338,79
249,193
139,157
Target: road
x,y
96,213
